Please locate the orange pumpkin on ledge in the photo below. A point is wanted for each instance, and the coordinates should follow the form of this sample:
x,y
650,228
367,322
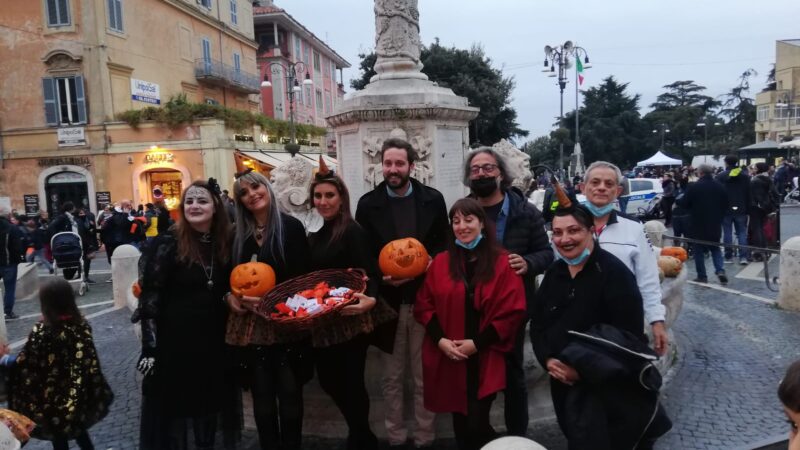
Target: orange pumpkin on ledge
x,y
675,252
403,258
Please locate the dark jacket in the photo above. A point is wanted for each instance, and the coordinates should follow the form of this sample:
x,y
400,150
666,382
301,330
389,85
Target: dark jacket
x,y
764,196
707,203
117,229
526,236
374,215
12,251
619,381
737,185
62,224
668,186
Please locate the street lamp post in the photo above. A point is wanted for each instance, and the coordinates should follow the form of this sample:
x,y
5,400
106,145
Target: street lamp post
x,y
705,124
292,88
556,63
664,130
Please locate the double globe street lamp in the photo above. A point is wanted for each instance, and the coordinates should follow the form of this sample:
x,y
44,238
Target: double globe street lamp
x,y
292,88
556,63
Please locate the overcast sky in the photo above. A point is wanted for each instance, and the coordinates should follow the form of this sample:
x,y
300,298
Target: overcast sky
x,y
647,43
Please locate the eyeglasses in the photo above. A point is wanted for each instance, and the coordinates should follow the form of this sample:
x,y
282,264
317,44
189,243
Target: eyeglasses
x,y
486,168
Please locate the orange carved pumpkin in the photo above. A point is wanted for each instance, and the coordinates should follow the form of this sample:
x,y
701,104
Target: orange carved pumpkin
x,y
252,279
670,265
676,252
403,258
136,289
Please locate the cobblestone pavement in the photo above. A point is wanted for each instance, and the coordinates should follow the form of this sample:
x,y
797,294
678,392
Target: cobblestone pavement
x,y
732,352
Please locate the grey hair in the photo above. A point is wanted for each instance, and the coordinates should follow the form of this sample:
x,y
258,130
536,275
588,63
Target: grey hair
x,y
246,223
505,183
602,165
706,169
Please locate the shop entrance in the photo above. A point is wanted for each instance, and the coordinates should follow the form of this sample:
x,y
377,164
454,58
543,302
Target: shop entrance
x,y
169,181
66,187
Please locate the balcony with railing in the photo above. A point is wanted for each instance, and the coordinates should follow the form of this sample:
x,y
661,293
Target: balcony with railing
x,y
217,73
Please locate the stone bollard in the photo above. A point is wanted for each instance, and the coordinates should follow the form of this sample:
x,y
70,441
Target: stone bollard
x,y
655,232
512,443
124,271
789,294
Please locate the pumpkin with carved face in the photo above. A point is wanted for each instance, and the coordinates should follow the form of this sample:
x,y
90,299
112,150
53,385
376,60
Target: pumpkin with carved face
x,y
252,279
403,258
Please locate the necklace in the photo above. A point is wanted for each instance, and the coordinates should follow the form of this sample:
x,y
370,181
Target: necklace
x,y
260,231
209,271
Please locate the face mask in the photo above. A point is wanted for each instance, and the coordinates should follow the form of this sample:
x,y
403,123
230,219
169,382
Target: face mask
x,y
471,245
483,187
598,211
573,261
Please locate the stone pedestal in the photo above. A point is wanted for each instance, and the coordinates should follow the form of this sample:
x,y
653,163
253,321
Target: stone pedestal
x,y
789,294
124,271
401,102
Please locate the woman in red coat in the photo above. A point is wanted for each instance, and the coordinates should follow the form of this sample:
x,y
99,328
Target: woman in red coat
x,y
471,304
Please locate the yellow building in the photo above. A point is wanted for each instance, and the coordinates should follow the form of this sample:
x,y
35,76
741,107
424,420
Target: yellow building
x,y
70,66
778,110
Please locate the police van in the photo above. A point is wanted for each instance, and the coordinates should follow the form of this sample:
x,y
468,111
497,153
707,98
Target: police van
x,y
641,192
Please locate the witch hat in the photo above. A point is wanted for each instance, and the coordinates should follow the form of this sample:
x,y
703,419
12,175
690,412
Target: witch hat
x,y
563,199
323,171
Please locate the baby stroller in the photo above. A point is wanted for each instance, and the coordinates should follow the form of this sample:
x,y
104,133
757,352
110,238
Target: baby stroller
x,y
652,210
67,249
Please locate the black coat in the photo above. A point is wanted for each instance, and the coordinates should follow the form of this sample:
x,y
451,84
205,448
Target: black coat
x,y
374,215
764,197
12,251
116,229
707,203
738,188
526,236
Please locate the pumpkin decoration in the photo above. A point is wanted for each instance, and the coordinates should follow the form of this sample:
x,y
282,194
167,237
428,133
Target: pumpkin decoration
x,y
136,289
252,279
670,265
677,252
403,258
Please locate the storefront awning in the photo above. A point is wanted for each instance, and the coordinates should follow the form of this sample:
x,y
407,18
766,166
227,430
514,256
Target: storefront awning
x,y
273,159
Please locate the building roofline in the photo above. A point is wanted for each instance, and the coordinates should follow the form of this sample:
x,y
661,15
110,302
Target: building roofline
x,y
795,42
286,19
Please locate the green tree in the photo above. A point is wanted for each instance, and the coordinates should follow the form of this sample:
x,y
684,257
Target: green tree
x,y
469,73
542,150
740,109
680,109
611,127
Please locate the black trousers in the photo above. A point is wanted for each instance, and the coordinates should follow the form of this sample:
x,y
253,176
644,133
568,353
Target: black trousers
x,y
160,431
474,430
83,440
666,206
277,400
516,393
340,369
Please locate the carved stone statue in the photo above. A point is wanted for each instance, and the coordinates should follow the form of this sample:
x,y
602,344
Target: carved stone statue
x,y
397,43
291,182
518,164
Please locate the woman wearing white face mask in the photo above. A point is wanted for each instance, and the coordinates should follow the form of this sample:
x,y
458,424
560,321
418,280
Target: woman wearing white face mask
x,y
587,286
471,304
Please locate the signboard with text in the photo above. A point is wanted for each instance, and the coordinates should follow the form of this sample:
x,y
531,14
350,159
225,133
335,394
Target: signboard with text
x,y
145,91
31,204
103,200
71,136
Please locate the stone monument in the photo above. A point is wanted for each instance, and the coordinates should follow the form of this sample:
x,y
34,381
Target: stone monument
x,y
400,101
518,164
291,182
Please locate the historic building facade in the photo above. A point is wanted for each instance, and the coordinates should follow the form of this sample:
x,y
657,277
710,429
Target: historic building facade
x,y
778,109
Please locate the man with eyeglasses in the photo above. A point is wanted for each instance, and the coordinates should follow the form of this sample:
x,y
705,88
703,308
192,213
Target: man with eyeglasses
x,y
519,228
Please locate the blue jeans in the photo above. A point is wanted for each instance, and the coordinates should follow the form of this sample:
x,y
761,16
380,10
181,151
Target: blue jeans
x,y
700,263
739,222
42,259
9,276
623,203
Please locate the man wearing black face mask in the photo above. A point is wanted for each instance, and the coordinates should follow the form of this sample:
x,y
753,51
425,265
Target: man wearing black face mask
x,y
519,228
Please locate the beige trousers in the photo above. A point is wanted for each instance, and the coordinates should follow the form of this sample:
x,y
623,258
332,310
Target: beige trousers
x,y
407,355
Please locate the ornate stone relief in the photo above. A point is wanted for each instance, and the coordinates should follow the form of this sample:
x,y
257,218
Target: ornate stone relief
x,y
518,164
291,182
397,29
423,170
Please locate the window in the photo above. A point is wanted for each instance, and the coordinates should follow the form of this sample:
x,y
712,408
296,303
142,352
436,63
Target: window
x,y
115,15
204,3
307,55
237,62
317,64
641,185
762,113
57,13
333,71
308,96
327,102
234,18
782,111
266,40
64,100
319,101
206,50
297,49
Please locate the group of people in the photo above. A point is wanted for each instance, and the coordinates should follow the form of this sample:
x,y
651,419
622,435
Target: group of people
x,y
718,205
457,331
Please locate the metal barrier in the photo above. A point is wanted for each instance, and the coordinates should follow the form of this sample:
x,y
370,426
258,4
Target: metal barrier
x,y
765,254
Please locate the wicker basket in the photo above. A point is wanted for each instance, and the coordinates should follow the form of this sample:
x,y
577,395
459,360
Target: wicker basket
x,y
354,279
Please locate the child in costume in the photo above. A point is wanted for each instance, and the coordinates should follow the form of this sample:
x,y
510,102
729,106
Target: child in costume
x,y
789,394
56,379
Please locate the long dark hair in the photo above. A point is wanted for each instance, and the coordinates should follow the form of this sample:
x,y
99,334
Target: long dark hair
x,y
58,303
486,252
246,223
789,388
345,217
188,250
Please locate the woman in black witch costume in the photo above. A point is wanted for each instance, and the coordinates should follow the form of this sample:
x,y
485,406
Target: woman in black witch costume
x,y
340,349
183,276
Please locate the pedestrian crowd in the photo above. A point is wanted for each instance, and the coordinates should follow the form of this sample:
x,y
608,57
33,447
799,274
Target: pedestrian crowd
x,y
456,332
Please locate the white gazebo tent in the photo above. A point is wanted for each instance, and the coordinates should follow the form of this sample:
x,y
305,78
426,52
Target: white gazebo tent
x,y
793,144
660,159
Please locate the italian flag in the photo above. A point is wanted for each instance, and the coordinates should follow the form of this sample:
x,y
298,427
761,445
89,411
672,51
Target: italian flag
x,y
579,67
